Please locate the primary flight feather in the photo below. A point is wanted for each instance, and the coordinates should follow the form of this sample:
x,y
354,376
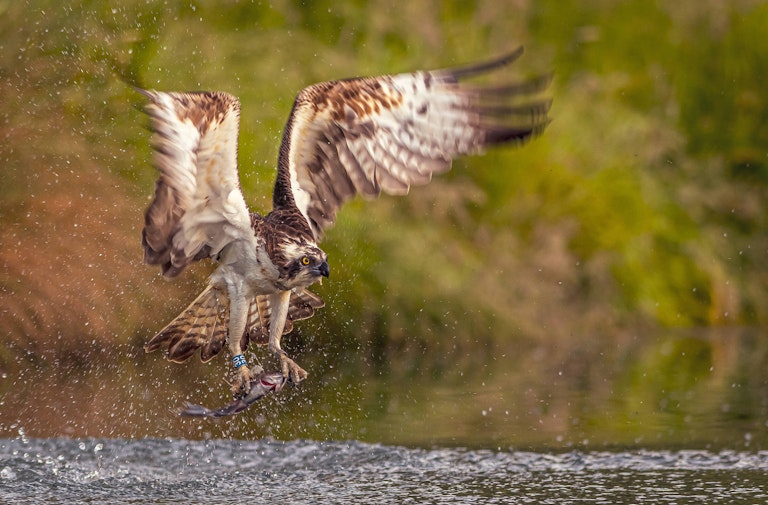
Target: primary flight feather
x,y
343,138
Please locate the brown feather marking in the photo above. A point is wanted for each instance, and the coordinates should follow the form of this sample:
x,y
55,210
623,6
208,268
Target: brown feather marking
x,y
363,96
202,325
162,218
391,132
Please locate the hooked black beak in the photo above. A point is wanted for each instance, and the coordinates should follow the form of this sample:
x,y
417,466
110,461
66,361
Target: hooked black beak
x,y
324,269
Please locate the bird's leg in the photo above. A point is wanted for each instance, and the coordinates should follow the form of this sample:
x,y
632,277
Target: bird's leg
x,y
238,318
279,303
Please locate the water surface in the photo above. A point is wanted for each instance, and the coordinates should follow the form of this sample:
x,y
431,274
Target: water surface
x,y
662,419
122,471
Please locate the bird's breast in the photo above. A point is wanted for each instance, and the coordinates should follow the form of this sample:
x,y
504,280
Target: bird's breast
x,y
247,263
263,276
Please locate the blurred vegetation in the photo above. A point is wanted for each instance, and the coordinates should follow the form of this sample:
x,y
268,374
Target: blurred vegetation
x,y
642,207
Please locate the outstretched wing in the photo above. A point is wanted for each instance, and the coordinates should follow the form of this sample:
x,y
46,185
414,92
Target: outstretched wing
x,y
198,206
368,135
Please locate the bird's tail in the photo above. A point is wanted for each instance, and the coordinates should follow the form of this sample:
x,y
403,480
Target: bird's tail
x,y
302,306
202,325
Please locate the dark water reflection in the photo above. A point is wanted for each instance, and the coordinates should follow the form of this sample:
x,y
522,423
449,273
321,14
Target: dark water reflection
x,y
700,391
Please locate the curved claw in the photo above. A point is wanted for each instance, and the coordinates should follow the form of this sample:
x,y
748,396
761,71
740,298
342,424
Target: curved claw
x,y
290,369
241,383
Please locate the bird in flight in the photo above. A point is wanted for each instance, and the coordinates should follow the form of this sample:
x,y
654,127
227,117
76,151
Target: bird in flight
x,y
343,138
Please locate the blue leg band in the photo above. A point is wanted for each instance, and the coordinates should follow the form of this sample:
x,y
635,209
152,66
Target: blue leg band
x,y
239,361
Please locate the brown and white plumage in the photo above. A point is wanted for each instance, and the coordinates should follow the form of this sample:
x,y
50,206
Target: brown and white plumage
x,y
343,138
365,136
198,206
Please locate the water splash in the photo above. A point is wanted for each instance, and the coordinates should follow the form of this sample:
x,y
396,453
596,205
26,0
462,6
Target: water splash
x,y
170,470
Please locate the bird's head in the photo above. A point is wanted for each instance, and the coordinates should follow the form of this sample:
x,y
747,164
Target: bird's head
x,y
304,264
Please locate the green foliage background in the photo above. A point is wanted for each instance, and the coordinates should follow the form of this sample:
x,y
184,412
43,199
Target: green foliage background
x,y
642,207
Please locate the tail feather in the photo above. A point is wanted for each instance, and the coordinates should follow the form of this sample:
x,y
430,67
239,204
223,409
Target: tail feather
x,y
203,324
302,306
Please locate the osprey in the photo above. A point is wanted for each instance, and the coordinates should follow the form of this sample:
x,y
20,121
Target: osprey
x,y
355,136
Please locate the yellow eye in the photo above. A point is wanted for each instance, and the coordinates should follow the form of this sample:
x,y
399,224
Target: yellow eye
x,y
305,260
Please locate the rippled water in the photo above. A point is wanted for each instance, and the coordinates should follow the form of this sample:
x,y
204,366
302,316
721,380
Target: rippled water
x,y
117,471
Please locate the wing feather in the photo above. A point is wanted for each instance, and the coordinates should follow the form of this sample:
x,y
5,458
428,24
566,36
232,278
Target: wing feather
x,y
339,178
198,207
368,135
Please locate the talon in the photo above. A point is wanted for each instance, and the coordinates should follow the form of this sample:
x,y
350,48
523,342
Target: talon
x,y
290,369
241,382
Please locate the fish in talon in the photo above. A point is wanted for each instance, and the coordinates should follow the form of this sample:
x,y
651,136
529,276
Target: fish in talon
x,y
260,386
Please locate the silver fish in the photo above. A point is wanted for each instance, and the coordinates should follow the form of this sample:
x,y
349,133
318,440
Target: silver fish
x,y
261,386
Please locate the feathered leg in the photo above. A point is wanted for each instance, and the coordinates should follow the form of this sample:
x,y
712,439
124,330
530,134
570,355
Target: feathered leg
x,y
280,303
238,318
